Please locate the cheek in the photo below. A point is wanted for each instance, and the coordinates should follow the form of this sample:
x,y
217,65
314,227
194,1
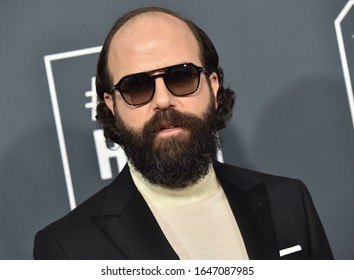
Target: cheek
x,y
134,118
200,102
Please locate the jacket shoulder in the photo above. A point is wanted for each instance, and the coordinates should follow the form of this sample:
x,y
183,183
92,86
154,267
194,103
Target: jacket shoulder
x,y
60,239
249,177
89,207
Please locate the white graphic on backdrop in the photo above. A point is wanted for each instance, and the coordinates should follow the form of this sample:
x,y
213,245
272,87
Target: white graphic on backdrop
x,y
93,103
104,154
48,60
343,56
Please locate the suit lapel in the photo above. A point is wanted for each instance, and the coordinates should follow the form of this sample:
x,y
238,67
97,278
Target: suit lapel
x,y
250,205
128,222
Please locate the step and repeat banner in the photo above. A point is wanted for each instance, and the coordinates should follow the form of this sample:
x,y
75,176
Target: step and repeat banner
x,y
291,64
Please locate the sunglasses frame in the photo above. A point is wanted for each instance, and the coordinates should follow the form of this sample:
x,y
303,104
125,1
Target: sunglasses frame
x,y
154,77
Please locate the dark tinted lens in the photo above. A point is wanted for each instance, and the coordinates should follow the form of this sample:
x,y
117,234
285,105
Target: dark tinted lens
x,y
137,89
182,79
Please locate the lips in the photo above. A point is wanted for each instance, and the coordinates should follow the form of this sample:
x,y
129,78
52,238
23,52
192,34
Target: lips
x,y
165,125
166,122
168,127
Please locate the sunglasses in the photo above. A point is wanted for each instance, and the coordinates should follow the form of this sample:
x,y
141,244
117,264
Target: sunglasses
x,y
138,89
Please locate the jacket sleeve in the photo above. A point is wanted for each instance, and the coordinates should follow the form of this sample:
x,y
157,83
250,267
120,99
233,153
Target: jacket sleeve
x,y
297,222
319,245
46,247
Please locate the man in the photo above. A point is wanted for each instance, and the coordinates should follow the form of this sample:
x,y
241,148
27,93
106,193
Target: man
x,y
162,100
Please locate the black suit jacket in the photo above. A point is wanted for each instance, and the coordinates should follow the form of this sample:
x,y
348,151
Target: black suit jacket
x,y
273,213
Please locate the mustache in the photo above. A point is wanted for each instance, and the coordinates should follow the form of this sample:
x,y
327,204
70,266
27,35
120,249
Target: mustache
x,y
166,118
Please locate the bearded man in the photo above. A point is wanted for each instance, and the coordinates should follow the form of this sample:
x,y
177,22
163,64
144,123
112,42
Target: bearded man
x,y
162,99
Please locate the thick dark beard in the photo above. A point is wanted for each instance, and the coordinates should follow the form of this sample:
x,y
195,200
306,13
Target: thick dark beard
x,y
175,161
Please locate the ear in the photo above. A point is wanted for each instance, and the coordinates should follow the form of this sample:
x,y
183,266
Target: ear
x,y
108,99
214,82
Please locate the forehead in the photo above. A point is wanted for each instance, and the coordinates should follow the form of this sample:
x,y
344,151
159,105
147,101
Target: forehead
x,y
151,41
143,22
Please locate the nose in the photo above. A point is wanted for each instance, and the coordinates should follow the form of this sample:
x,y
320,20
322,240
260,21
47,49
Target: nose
x,y
163,99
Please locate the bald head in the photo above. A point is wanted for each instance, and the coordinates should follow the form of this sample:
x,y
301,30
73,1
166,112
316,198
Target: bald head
x,y
130,23
150,41
150,21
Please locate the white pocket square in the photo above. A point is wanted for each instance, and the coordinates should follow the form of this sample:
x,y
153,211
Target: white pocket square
x,y
290,250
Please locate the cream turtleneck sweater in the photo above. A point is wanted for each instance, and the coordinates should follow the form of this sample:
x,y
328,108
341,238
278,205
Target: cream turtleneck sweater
x,y
196,220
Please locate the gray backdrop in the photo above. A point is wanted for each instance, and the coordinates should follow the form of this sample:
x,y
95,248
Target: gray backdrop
x,y
292,115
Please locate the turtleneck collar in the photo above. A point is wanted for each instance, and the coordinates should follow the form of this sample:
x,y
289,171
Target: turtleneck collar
x,y
156,195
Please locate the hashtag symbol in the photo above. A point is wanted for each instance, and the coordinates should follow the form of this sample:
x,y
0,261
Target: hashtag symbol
x,y
93,103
